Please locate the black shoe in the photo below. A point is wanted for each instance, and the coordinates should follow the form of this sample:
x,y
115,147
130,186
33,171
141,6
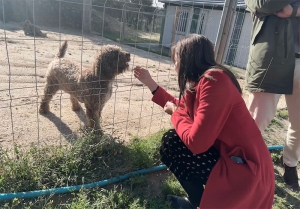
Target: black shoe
x,y
180,202
290,176
194,190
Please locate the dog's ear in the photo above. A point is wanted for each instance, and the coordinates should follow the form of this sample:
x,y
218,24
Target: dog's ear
x,y
97,65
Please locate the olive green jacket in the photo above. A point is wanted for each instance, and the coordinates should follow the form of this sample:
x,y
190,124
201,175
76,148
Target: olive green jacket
x,y
271,61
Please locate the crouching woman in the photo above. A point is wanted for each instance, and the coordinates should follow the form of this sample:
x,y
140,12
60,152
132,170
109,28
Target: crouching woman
x,y
215,142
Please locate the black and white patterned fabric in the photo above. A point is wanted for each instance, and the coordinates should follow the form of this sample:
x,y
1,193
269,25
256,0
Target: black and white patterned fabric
x,y
183,163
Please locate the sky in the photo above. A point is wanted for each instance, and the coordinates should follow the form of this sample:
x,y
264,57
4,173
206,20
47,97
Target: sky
x,y
156,3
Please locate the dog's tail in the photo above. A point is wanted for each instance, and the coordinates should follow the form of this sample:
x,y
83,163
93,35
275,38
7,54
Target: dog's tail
x,y
62,50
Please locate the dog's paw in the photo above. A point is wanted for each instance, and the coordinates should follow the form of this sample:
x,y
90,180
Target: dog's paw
x,y
76,108
98,132
43,111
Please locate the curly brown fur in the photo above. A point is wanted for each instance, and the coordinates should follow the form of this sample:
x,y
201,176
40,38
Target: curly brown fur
x,y
62,50
32,30
91,86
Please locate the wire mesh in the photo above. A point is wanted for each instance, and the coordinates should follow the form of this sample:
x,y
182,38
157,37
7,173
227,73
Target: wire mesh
x,y
145,28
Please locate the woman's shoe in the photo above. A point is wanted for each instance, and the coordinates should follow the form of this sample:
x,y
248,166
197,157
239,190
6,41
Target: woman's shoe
x,y
180,202
290,176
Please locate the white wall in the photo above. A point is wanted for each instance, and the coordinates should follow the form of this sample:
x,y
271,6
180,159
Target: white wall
x,y
211,32
211,29
168,28
213,22
180,35
169,24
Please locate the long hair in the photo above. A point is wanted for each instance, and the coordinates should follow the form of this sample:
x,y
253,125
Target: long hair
x,y
195,55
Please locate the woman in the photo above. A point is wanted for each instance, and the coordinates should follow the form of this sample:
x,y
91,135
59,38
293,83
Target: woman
x,y
216,142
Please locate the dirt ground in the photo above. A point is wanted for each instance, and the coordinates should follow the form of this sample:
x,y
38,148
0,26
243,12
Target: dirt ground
x,y
23,64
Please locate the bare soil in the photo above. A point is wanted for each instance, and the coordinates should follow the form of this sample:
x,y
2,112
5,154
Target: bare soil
x,y
23,64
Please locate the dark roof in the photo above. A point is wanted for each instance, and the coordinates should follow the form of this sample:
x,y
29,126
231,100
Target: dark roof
x,y
212,3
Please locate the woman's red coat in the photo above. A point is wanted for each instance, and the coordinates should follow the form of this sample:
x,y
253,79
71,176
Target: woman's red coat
x,y
216,115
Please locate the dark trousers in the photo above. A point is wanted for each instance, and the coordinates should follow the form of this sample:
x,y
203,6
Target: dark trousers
x,y
192,171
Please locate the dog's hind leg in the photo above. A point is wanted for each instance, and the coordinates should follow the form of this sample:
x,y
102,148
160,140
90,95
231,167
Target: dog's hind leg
x,y
75,104
50,89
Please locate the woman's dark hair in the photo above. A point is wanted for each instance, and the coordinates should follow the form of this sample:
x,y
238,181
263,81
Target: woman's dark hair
x,y
195,55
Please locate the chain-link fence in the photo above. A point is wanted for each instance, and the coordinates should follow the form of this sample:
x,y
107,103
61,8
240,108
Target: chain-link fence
x,y
143,28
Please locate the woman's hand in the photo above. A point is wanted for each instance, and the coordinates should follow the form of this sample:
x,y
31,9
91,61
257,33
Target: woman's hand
x,y
144,76
170,108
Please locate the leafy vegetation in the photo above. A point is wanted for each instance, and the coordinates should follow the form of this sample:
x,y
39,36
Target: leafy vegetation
x,y
92,159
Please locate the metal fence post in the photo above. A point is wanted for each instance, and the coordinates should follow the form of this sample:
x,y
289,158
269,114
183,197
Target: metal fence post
x,y
87,15
224,29
124,21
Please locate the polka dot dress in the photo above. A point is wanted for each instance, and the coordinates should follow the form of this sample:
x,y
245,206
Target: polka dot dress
x,y
182,162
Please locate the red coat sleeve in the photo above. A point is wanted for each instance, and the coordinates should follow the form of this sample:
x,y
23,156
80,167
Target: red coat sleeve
x,y
215,104
161,97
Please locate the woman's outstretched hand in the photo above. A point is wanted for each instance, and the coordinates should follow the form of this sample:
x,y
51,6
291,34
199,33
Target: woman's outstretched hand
x,y
144,76
170,108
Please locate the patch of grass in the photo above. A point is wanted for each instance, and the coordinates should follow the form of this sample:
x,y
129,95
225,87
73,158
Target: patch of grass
x,y
88,160
92,159
54,166
284,197
275,155
134,41
277,123
283,114
160,50
172,187
115,36
145,152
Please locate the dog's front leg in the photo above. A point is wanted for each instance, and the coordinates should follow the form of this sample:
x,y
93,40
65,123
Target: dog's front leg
x,y
93,118
75,104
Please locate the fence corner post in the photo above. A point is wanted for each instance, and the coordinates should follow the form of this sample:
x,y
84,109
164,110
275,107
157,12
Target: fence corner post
x,y
224,29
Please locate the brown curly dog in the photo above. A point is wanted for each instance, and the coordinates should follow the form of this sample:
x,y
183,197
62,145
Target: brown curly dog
x,y
92,86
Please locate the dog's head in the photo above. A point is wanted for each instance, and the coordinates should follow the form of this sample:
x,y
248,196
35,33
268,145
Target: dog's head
x,y
25,24
111,61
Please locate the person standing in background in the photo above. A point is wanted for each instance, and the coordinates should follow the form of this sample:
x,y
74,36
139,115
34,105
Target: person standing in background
x,y
273,69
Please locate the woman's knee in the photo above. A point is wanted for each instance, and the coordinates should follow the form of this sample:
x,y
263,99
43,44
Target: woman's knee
x,y
169,144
